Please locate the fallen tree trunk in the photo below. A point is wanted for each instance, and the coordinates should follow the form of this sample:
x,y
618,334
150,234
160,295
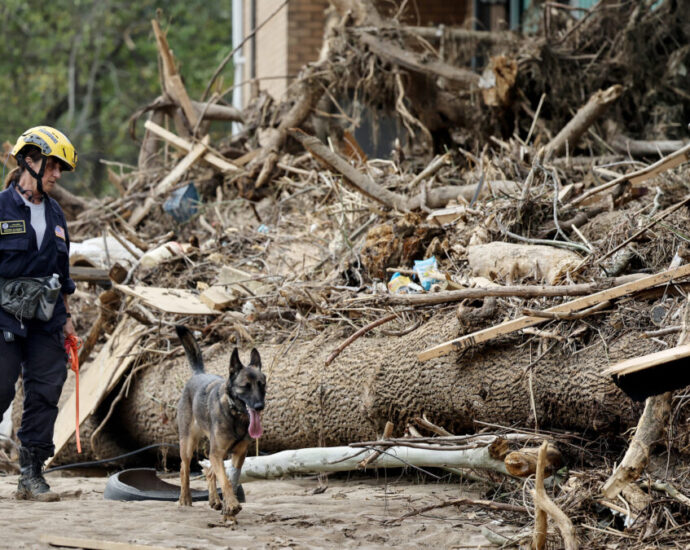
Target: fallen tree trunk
x,y
379,379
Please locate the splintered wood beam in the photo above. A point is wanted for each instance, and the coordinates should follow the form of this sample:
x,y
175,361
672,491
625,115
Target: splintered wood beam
x,y
167,183
171,79
578,304
582,120
185,145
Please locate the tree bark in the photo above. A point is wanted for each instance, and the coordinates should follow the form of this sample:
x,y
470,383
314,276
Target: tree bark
x,y
379,379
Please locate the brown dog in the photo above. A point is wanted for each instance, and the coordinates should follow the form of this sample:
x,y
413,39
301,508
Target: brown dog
x,y
225,411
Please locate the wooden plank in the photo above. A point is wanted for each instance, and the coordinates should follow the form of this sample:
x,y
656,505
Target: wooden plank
x,y
662,165
172,79
447,215
97,380
169,300
185,164
217,298
93,544
181,143
639,363
569,307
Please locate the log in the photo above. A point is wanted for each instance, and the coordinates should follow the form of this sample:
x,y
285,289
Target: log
x,y
361,182
439,197
345,459
171,79
378,379
511,261
523,463
639,148
308,92
218,112
71,204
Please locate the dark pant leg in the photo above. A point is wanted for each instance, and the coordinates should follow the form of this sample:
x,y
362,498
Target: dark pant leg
x,y
10,367
44,373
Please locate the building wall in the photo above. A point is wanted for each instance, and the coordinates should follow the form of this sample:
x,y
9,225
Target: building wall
x,y
306,22
265,54
272,47
294,36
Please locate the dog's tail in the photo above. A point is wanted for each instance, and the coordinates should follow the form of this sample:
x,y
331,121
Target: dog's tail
x,y
191,348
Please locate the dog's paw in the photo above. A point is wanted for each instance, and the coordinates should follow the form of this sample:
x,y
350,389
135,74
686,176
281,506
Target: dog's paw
x,y
216,504
185,501
231,510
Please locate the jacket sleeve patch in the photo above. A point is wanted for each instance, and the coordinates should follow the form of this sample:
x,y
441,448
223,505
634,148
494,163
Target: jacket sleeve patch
x,y
60,232
12,227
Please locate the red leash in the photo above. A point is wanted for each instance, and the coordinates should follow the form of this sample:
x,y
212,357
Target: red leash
x,y
72,345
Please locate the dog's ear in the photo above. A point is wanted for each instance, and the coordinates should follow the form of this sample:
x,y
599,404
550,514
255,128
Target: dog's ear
x,y
235,363
255,359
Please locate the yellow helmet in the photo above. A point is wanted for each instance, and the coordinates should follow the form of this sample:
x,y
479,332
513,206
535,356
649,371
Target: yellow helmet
x,y
51,142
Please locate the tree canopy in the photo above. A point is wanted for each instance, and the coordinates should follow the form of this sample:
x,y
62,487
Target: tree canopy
x,y
84,66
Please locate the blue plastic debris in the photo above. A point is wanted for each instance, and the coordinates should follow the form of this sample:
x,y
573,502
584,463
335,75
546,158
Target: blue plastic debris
x,y
427,272
183,203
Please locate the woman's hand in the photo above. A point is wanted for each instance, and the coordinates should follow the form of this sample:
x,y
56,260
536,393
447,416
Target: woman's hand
x,y
68,328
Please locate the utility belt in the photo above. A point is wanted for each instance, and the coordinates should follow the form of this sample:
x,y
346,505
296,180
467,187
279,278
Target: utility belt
x,y
28,298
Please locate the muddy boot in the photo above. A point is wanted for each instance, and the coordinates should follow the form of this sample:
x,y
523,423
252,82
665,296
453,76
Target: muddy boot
x,y
32,485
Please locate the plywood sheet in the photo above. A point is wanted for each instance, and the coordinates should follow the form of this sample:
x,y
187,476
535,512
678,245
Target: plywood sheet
x,y
169,300
98,379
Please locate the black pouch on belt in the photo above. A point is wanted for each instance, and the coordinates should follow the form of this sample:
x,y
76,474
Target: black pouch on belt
x,y
27,298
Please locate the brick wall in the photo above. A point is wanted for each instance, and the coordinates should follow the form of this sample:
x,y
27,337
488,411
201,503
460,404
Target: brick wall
x,y
306,21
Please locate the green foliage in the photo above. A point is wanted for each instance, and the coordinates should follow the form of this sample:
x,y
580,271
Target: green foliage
x,y
85,66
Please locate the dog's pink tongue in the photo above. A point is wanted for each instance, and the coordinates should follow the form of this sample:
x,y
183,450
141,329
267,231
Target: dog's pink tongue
x,y
255,429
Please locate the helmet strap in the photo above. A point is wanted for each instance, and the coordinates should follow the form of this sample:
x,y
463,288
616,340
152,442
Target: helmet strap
x,y
21,160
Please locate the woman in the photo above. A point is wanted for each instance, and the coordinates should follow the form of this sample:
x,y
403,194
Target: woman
x,y
34,319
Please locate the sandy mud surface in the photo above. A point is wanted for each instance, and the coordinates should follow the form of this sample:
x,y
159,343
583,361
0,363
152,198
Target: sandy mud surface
x,y
277,514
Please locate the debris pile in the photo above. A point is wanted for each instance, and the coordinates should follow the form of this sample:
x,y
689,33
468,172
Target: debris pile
x,y
549,190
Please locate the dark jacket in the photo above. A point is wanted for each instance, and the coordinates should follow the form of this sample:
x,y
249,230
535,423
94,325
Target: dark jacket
x,y
20,257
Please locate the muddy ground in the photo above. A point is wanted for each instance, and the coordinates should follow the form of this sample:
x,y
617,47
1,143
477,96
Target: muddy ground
x,y
278,514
